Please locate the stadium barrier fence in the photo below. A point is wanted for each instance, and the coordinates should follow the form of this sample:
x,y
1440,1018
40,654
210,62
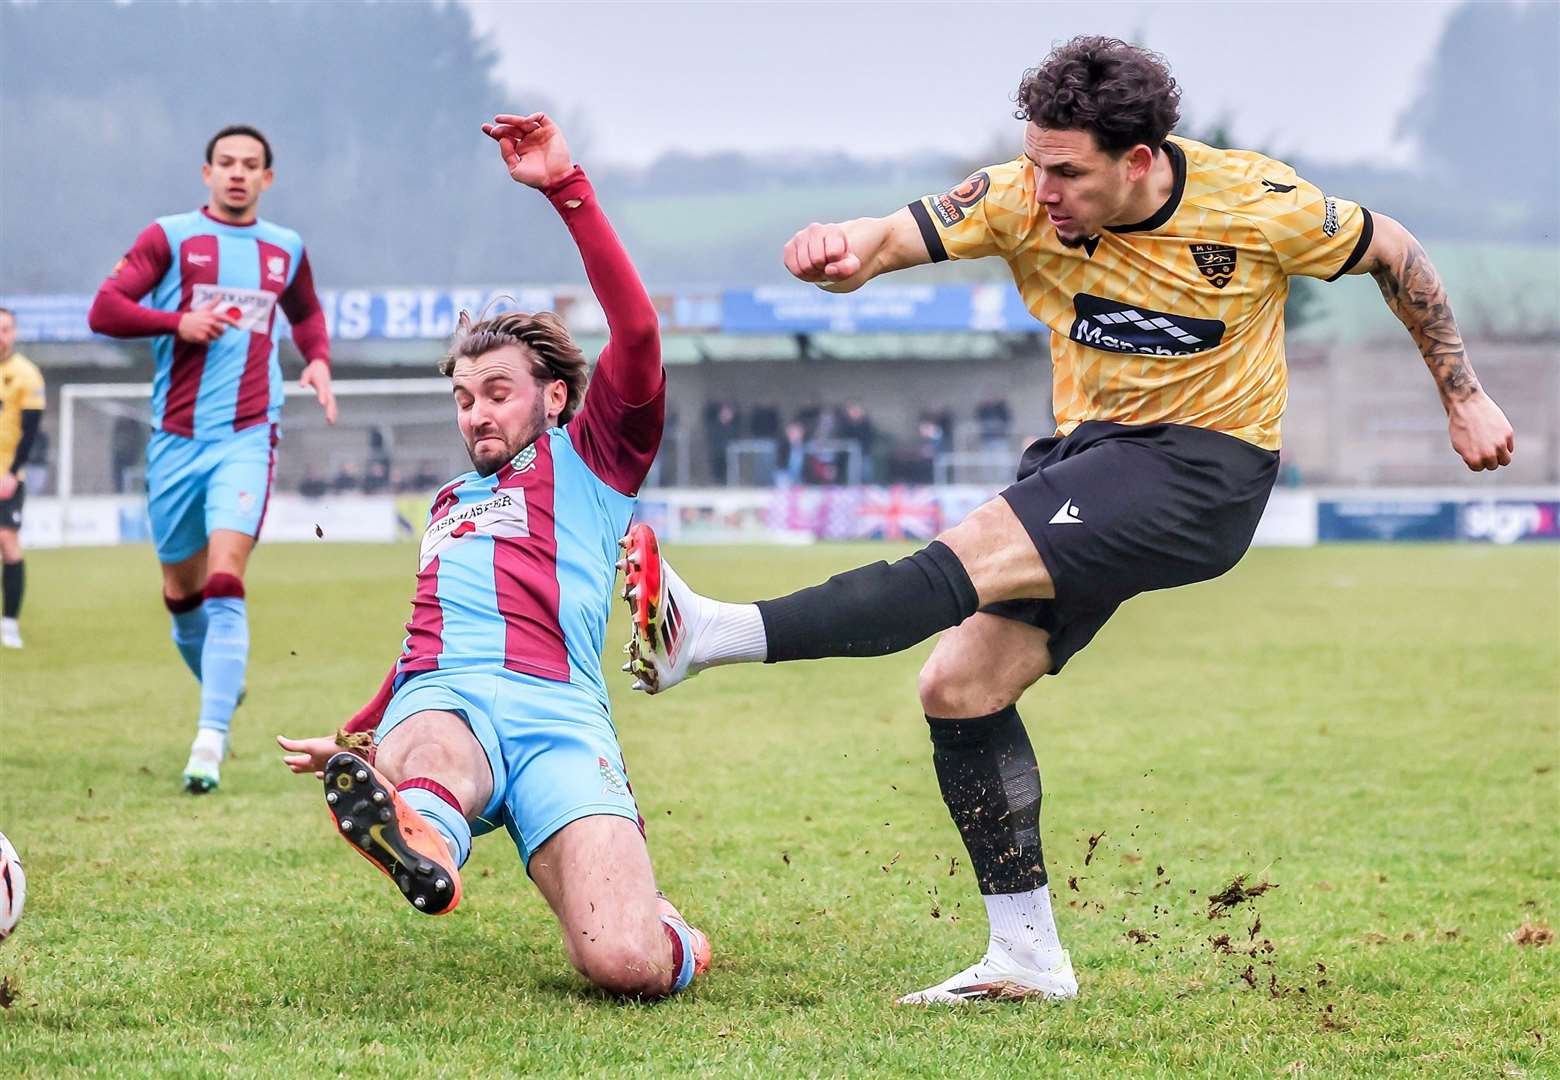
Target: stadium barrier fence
x,y
1295,517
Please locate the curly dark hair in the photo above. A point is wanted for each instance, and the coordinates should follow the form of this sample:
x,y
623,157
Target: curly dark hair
x,y
1119,93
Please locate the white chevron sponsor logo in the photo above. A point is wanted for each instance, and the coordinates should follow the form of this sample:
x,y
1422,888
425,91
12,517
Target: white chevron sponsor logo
x,y
1067,515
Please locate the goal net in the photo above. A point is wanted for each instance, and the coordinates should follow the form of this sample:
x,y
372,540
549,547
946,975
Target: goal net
x,y
393,444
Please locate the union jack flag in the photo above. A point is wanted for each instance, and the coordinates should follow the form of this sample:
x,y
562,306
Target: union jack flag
x,y
898,513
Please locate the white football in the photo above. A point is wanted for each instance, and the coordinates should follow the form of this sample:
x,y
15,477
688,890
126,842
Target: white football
x,y
13,887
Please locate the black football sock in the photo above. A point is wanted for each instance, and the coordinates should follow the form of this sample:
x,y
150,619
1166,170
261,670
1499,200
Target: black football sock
x,y
12,578
871,610
991,783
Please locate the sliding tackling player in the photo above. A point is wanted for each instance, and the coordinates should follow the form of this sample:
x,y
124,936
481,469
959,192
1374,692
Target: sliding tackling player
x,y
496,712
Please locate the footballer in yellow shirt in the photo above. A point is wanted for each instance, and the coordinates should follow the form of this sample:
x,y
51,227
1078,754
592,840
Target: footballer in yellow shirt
x,y
21,412
1177,318
1161,267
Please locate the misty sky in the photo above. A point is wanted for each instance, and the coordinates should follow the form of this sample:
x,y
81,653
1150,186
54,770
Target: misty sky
x,y
1321,80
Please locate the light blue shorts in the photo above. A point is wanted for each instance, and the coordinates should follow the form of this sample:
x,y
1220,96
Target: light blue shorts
x,y
195,487
551,745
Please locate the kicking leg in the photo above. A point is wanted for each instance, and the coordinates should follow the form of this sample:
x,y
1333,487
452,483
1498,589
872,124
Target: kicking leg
x,y
620,933
990,782
409,813
870,611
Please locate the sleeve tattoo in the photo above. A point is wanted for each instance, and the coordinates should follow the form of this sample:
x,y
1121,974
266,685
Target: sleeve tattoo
x,y
1414,292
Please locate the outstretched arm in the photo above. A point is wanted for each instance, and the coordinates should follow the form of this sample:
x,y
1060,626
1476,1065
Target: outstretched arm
x,y
1480,432
845,256
618,429
631,362
536,154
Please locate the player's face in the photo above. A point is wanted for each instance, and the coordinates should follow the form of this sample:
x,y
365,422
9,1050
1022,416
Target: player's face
x,y
501,406
1082,188
237,174
7,334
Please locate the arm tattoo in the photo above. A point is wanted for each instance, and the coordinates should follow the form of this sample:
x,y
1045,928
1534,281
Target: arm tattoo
x,y
1414,292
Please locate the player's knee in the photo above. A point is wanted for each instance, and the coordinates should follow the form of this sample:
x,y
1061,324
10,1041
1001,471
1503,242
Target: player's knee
x,y
942,687
951,687
626,966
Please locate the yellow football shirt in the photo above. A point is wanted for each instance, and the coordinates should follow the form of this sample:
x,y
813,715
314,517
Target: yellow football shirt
x,y
21,388
1176,319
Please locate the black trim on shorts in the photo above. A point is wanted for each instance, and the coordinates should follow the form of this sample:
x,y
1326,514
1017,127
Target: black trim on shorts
x,y
934,244
1360,246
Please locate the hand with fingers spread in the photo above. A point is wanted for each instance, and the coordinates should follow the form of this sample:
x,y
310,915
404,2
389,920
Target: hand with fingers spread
x,y
821,254
309,755
532,147
202,326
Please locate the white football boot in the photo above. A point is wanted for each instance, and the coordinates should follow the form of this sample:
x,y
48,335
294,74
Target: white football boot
x,y
10,634
203,772
998,977
668,617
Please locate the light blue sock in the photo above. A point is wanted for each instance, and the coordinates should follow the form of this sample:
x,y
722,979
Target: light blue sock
x,y
223,660
450,823
682,952
189,634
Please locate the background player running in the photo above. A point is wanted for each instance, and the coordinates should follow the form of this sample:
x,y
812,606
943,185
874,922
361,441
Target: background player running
x,y
497,711
1161,266
21,414
212,279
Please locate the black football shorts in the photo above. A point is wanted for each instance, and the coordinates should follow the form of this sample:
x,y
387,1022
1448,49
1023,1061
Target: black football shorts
x,y
1116,510
11,509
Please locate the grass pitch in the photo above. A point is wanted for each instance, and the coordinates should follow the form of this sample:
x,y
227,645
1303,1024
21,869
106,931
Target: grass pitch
x,y
1373,731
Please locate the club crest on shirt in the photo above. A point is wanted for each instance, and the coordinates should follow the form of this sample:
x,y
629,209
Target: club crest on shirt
x,y
615,784
525,459
1216,262
950,205
276,268
500,515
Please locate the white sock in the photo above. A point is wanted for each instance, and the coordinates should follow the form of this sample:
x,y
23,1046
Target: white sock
x,y
209,741
731,634
1022,927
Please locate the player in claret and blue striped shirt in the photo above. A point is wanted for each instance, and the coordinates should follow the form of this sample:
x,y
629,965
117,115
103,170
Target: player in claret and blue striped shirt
x,y
205,286
495,712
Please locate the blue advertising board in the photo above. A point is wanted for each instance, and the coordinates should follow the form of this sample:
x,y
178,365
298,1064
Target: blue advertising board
x,y
429,314
1386,520
804,309
49,317
1509,521
797,309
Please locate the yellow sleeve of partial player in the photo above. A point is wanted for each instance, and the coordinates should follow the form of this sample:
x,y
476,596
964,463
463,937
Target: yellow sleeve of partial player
x,y
976,218
30,389
1312,234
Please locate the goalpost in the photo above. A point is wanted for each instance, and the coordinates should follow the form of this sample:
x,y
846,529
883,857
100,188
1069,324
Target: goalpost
x,y
401,422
